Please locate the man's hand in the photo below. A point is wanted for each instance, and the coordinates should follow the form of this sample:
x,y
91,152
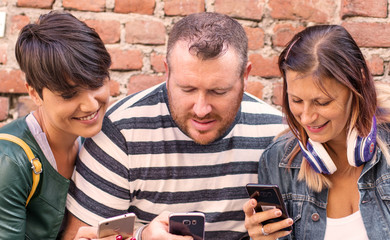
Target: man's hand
x,y
158,229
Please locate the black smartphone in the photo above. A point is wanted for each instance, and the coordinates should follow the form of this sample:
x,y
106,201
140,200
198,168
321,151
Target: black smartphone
x,y
268,197
122,224
187,224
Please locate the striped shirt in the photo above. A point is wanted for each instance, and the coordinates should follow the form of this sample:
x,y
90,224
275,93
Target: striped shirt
x,y
141,162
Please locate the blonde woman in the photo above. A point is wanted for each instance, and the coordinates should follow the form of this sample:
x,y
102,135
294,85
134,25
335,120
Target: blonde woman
x,y
332,167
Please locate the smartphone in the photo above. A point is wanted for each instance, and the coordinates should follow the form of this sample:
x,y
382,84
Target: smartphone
x,y
268,197
187,224
122,224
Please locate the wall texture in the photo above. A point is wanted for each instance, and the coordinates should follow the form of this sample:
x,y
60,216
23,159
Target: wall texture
x,y
135,33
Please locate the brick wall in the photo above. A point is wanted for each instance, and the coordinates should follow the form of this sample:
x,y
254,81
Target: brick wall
x,y
135,33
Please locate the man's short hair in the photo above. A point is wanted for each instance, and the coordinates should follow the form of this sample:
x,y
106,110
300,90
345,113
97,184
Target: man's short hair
x,y
210,35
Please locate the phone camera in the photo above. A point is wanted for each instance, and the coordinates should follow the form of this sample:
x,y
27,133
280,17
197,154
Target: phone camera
x,y
186,222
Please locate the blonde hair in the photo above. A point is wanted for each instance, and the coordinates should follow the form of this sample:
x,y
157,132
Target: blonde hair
x,y
316,181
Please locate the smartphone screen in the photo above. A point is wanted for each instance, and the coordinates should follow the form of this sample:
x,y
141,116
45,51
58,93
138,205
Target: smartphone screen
x,y
187,224
122,224
268,197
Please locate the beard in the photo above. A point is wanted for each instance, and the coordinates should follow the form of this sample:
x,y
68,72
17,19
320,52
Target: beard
x,y
182,119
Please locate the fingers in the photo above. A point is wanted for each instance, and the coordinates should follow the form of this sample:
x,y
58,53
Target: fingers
x,y
272,213
276,227
163,217
269,231
249,206
253,220
157,228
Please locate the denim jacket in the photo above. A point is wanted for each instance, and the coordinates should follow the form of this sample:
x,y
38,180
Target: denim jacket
x,y
308,208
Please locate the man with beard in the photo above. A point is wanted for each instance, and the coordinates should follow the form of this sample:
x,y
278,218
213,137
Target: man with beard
x,y
191,143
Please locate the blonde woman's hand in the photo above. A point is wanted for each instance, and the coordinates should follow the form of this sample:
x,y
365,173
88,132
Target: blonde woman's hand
x,y
269,231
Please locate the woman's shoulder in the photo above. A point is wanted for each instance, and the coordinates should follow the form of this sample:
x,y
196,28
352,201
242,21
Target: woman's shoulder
x,y
12,151
284,143
283,153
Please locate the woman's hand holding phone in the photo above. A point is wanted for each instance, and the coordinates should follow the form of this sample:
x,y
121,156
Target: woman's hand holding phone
x,y
88,232
266,216
253,222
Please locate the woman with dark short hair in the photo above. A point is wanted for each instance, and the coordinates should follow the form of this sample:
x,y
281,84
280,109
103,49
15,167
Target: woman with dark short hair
x,y
66,66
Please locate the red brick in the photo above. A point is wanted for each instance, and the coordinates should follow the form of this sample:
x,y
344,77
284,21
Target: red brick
x,y
25,105
369,34
264,67
277,96
183,7
18,22
12,81
4,108
114,88
365,8
140,82
135,6
157,62
35,4
3,53
108,30
315,11
85,5
255,88
255,37
375,63
283,33
145,32
246,9
126,59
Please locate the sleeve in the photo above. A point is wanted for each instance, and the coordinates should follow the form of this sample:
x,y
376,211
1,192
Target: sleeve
x,y
14,188
100,184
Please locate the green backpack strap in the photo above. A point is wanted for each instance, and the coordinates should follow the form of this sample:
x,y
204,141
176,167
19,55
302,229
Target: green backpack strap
x,y
36,165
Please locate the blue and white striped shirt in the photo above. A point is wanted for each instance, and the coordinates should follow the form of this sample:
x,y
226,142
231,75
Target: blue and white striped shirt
x,y
142,162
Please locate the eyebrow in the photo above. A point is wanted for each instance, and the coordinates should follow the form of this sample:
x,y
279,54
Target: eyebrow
x,y
325,97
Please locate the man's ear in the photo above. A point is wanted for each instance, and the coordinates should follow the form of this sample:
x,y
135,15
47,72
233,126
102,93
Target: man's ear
x,y
34,95
245,76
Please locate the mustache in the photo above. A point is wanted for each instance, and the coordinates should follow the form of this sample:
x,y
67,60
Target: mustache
x,y
209,116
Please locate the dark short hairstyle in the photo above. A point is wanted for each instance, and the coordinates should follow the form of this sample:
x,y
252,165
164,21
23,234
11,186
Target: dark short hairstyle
x,y
210,35
59,52
329,51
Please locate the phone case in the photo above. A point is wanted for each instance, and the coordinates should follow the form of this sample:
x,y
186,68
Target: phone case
x,y
268,197
122,224
187,224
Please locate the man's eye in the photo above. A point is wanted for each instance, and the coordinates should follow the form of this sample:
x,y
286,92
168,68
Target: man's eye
x,y
219,92
187,90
